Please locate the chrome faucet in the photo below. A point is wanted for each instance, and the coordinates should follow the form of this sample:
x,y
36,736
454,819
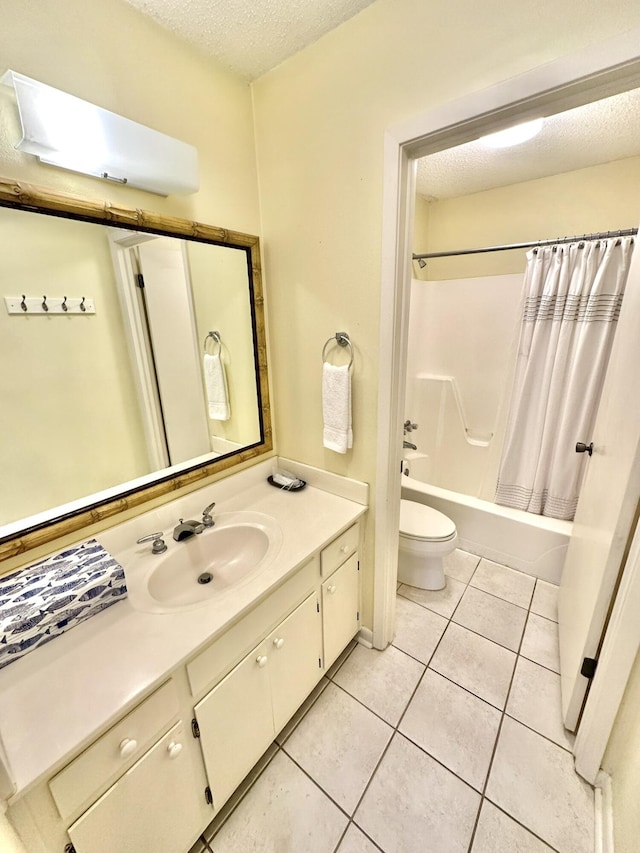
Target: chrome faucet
x,y
186,529
206,515
408,446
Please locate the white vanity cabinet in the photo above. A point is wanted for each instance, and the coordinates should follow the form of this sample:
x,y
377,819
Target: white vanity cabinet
x,y
155,806
154,780
340,565
239,718
340,609
153,798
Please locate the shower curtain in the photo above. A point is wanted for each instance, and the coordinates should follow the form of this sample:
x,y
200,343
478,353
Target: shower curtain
x,y
573,294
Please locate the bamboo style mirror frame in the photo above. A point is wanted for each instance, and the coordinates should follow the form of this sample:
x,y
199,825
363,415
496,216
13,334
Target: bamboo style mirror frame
x,y
27,197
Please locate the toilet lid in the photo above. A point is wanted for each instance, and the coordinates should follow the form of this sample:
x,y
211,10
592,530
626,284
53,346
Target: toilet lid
x,y
418,521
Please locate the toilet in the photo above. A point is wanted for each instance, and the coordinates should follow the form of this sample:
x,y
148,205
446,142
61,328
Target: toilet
x,y
426,537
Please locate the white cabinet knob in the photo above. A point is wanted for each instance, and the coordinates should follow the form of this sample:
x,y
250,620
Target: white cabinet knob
x,y
278,642
127,747
261,660
174,749
331,589
344,549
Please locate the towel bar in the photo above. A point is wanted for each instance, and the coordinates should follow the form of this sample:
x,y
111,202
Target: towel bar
x,y
343,340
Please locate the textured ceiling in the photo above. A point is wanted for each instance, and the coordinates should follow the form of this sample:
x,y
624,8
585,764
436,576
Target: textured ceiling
x,y
596,133
250,37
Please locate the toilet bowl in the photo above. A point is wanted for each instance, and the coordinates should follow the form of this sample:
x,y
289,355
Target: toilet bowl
x,y
426,537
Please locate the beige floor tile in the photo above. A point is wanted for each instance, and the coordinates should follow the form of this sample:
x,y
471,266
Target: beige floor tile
x,y
341,659
497,833
545,600
494,618
284,811
506,583
302,711
383,681
534,781
475,663
540,642
413,798
238,795
418,631
460,565
535,700
338,744
453,726
442,601
355,841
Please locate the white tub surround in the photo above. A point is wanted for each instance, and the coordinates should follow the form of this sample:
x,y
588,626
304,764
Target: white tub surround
x,y
529,543
57,700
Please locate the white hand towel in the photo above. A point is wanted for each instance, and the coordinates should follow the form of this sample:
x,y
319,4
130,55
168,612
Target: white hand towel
x,y
336,407
215,381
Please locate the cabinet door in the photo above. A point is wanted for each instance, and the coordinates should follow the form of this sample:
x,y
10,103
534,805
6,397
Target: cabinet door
x,y
295,659
156,807
236,723
340,609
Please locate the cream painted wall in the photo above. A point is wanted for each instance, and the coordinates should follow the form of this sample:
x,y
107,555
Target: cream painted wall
x,y
320,122
600,198
69,418
110,54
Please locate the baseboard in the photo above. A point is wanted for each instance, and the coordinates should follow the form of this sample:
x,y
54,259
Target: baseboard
x,y
365,637
603,806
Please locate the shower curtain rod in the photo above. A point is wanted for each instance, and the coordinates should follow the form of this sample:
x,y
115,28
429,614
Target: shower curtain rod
x,y
603,235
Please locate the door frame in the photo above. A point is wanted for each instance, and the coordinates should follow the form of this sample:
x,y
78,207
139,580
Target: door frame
x,y
592,73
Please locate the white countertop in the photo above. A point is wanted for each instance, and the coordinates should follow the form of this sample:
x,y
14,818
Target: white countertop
x,y
57,699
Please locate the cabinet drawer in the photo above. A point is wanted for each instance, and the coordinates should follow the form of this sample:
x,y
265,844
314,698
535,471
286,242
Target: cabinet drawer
x,y
104,760
339,550
224,653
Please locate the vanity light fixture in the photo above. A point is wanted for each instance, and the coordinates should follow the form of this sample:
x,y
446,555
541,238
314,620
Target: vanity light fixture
x,y
62,130
513,135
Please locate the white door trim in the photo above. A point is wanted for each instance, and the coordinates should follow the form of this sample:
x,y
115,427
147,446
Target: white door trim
x,y
617,656
592,73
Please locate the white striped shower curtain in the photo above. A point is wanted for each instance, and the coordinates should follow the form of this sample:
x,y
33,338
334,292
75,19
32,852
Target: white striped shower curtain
x,y
573,294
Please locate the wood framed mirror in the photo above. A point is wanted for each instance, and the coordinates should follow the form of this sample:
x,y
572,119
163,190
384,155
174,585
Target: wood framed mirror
x,y
105,331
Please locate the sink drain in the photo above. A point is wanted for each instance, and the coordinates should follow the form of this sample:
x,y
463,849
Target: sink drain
x,y
205,577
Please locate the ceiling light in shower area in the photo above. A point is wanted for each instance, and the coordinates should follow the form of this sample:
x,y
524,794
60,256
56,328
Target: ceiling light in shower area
x,y
513,135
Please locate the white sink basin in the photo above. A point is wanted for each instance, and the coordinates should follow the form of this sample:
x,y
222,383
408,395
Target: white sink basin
x,y
208,565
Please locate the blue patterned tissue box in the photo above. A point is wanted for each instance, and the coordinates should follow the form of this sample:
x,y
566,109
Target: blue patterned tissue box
x,y
50,597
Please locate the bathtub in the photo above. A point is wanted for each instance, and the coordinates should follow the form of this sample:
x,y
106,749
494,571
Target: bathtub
x,y
529,543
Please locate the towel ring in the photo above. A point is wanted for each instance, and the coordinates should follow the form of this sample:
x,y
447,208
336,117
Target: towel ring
x,y
343,340
217,339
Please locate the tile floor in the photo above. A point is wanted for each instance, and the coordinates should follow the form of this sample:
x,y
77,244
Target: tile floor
x,y
449,741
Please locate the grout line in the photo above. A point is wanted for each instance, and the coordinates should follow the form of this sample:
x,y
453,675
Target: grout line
x,y
537,662
535,731
491,640
495,745
515,820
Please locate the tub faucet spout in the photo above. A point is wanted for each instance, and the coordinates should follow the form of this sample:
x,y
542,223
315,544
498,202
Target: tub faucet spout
x,y
408,446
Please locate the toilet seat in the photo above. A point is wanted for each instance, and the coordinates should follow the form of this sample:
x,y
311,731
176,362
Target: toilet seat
x,y
423,523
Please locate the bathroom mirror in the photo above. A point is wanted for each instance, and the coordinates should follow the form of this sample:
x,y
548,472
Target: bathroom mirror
x,y
111,318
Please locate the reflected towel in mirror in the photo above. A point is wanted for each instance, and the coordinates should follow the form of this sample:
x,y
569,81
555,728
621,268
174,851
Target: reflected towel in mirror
x,y
336,407
215,381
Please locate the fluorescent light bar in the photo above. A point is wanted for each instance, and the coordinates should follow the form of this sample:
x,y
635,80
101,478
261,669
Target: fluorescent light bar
x,y
513,135
65,131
